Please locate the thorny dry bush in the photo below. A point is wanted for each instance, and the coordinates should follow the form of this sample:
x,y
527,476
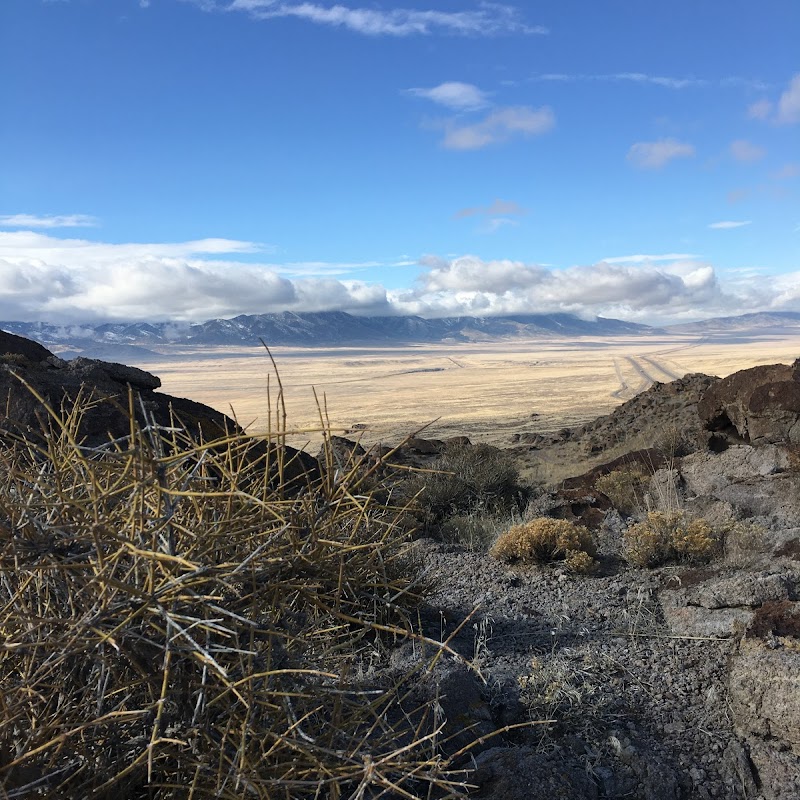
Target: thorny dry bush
x,y
542,540
174,623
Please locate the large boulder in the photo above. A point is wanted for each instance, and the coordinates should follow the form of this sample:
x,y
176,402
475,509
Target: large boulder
x,y
759,405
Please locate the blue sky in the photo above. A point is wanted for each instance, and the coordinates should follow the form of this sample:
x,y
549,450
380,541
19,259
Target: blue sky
x,y
190,159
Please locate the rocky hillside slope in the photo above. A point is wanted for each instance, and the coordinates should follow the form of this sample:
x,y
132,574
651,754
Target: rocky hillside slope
x,y
668,676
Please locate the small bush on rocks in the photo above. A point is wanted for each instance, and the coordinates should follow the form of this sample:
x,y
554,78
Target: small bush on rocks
x,y
624,488
475,532
664,537
467,479
543,540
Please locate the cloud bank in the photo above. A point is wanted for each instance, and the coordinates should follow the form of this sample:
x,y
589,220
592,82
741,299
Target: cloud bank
x,y
43,277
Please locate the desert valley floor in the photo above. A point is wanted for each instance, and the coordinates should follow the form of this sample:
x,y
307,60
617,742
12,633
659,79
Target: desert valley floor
x,y
487,391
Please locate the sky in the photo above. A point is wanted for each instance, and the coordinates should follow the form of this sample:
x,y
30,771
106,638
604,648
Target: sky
x,y
194,159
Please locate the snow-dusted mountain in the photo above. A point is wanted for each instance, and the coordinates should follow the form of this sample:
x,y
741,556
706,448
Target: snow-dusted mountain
x,y
333,328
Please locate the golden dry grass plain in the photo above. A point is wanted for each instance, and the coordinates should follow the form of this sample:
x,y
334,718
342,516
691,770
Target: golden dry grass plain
x,y
487,391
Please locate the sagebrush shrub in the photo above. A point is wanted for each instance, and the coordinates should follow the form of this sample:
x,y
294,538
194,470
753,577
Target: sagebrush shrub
x,y
664,537
467,479
624,488
543,540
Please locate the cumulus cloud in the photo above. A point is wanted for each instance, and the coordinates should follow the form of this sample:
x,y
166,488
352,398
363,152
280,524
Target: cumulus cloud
x,y
44,277
454,94
34,221
729,224
745,151
646,291
788,111
499,125
490,19
655,155
785,111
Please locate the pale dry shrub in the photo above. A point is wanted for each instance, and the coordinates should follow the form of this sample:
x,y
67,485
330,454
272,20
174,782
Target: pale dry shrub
x,y
625,488
567,689
543,540
177,624
664,537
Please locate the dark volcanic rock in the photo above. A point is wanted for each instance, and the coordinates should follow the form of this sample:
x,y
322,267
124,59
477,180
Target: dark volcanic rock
x,y
759,405
13,345
30,374
521,773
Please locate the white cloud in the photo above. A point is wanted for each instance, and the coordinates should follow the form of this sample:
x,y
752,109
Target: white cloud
x,y
729,225
44,277
642,78
786,111
761,109
499,125
453,94
646,259
789,103
470,285
488,20
34,221
745,151
654,155
75,281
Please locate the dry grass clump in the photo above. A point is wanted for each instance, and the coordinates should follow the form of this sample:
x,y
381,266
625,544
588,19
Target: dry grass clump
x,y
543,540
176,624
567,688
625,488
664,537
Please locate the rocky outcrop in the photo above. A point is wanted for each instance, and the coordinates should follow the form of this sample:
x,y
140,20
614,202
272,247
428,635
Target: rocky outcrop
x,y
764,689
722,605
759,405
32,378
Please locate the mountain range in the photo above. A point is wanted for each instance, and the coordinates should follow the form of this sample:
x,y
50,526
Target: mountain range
x,y
331,328
120,340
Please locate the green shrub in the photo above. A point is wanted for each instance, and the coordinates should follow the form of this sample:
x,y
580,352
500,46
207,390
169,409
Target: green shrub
x,y
665,537
467,479
543,540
